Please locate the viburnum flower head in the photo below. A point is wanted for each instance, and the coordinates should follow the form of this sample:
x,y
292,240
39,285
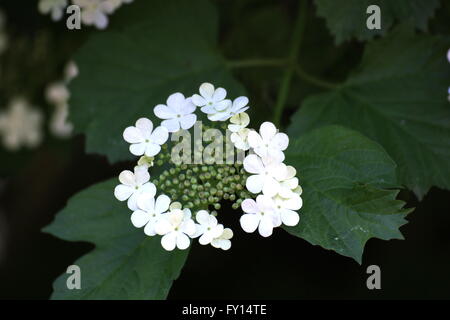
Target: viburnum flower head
x,y
266,174
176,227
269,142
134,185
208,228
145,140
259,214
211,100
223,241
149,212
178,113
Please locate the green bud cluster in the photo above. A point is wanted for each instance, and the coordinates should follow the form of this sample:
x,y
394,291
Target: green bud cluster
x,y
199,186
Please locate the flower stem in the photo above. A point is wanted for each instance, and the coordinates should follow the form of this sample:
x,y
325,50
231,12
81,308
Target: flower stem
x,y
293,53
313,80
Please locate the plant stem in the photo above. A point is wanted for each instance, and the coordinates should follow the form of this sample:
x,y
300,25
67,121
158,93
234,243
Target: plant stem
x,y
313,80
256,63
292,58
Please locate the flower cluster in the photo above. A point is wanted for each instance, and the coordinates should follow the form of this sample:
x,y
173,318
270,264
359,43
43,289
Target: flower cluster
x,y
265,188
93,12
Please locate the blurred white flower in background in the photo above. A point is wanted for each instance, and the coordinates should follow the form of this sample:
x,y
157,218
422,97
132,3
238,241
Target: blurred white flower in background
x,y
95,12
56,8
21,125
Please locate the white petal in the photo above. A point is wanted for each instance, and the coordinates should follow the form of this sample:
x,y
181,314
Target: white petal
x,y
162,203
267,130
127,178
239,103
265,227
140,218
152,149
169,240
183,241
222,105
255,183
271,187
172,125
163,112
249,206
138,149
150,229
289,217
280,141
249,222
189,227
175,101
188,107
225,244
146,202
163,226
141,174
122,192
202,217
101,20
205,238
217,231
144,125
207,90
219,94
294,203
253,164
188,121
254,139
132,202
133,135
148,189
227,234
198,100
208,109
160,135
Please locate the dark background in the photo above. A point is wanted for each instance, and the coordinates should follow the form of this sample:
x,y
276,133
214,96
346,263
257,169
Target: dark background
x,y
35,185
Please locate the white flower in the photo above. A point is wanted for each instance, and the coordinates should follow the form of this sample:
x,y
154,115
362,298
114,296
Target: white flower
x,y
208,227
57,93
149,212
176,227
211,100
177,113
223,241
239,105
59,125
70,71
285,208
94,12
143,140
266,174
238,122
260,214
55,7
21,125
134,185
240,139
269,142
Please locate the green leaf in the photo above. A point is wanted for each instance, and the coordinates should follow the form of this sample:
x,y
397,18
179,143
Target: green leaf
x,y
345,177
397,97
151,49
125,264
347,19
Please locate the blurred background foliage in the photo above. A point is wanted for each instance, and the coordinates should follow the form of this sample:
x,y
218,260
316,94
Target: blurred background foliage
x,y
35,184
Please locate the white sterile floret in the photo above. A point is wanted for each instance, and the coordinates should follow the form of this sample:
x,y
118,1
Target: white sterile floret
x,y
145,140
240,139
223,241
208,227
149,212
288,183
70,71
176,227
210,99
178,113
54,7
269,142
266,174
238,106
238,122
259,214
57,93
134,185
285,208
